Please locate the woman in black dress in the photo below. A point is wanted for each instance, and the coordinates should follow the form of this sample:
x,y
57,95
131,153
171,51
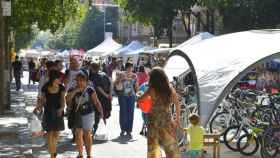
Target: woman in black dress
x,y
53,94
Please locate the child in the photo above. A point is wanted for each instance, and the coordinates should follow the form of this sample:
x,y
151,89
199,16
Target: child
x,y
195,136
143,87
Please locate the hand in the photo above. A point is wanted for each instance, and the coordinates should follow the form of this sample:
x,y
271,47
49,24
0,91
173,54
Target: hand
x,y
175,124
37,110
109,97
101,115
60,112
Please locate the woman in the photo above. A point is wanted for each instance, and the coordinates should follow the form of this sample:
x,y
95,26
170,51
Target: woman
x,y
142,76
53,102
161,127
83,98
126,97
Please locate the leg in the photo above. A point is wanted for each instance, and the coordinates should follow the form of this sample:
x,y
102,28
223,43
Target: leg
x,y
122,113
130,113
96,122
50,140
17,78
170,144
79,140
88,141
153,148
29,77
56,137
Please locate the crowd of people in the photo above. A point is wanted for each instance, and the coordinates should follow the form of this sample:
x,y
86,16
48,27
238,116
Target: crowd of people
x,y
84,91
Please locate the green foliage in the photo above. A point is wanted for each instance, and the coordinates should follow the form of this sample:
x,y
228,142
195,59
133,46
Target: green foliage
x,y
47,14
91,30
240,15
159,13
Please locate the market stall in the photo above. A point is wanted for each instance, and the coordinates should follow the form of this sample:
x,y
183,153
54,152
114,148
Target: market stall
x,y
107,47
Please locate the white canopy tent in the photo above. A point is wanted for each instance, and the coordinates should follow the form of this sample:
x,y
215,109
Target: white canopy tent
x,y
220,62
131,47
135,54
195,39
106,47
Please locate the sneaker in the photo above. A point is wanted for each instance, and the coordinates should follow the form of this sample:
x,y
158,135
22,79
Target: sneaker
x,y
122,133
129,135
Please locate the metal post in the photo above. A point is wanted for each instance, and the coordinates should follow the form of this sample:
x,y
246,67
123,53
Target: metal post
x,y
104,22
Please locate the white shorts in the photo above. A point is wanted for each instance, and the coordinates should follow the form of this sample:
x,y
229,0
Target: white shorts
x,y
88,121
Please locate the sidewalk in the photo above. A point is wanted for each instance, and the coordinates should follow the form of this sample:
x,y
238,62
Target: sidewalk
x,y
16,140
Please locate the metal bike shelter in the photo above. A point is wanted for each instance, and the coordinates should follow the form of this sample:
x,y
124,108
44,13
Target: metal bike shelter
x,y
218,63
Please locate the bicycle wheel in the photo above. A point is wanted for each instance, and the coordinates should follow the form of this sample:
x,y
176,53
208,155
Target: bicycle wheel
x,y
270,143
248,144
263,114
231,135
220,122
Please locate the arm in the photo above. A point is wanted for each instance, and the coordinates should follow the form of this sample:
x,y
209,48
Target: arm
x,y
146,94
97,104
69,97
109,95
177,105
40,103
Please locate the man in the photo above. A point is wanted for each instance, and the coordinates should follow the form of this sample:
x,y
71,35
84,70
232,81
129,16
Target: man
x,y
102,85
17,68
31,68
70,83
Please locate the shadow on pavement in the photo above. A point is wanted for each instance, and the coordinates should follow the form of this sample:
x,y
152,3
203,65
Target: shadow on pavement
x,y
123,140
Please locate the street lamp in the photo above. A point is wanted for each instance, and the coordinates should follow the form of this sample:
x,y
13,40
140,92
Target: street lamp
x,y
104,22
196,11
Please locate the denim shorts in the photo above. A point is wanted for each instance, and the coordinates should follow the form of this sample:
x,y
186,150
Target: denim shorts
x,y
88,121
194,154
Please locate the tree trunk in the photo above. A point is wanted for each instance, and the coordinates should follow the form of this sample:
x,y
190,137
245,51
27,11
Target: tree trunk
x,y
170,32
185,25
189,25
212,25
7,66
170,36
1,60
207,21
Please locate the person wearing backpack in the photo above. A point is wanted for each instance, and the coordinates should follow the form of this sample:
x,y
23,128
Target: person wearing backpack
x,y
102,84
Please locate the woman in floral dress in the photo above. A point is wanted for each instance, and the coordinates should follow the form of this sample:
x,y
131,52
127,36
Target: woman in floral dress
x,y
161,127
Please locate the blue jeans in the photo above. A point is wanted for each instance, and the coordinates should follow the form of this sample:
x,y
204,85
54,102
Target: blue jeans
x,y
127,104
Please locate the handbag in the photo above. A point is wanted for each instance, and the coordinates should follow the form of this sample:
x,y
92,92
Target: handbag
x,y
102,133
36,126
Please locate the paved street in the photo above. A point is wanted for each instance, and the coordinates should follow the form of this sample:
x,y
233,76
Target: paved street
x,y
16,140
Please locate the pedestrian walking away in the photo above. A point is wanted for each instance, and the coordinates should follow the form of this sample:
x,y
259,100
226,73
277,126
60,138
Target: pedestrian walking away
x,y
31,69
17,69
161,127
102,85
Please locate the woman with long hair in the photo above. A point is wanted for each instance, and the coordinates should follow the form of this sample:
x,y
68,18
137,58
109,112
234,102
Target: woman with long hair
x,y
161,126
53,102
83,98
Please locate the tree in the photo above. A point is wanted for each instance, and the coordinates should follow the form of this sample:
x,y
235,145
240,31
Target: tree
x,y
158,13
45,14
240,15
91,30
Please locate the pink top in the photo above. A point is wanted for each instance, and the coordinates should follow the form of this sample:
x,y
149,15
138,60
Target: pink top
x,y
142,77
